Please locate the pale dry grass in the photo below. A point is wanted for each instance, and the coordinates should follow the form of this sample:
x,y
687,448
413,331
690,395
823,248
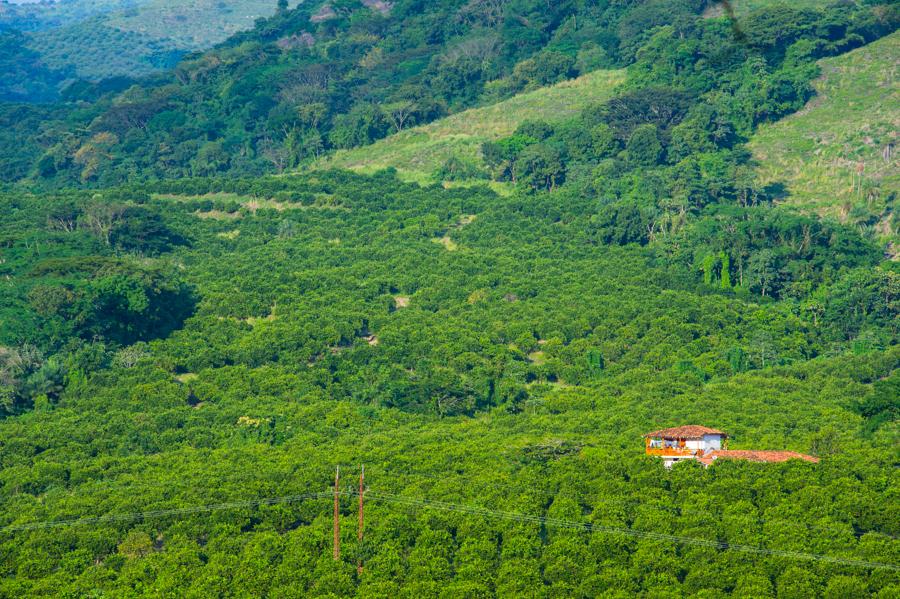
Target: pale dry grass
x,y
254,321
177,197
217,215
323,202
537,358
465,220
449,244
418,152
257,204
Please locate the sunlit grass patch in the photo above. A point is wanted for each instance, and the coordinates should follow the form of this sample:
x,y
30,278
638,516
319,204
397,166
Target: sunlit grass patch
x,y
419,152
449,244
838,155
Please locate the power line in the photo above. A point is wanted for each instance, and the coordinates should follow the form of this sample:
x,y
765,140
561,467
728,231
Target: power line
x,y
590,527
452,507
161,513
630,502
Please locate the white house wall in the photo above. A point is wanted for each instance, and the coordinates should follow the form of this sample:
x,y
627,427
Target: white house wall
x,y
708,442
712,442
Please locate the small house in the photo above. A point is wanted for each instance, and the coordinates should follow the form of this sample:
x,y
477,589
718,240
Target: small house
x,y
684,443
694,442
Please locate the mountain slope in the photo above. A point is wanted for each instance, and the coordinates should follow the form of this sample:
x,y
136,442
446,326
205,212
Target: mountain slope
x,y
37,16
194,24
24,76
148,37
322,77
419,152
839,155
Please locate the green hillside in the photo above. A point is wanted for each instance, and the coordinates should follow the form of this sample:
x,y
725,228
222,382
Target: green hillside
x,y
148,37
568,244
418,153
23,75
194,24
309,81
36,16
838,156
94,50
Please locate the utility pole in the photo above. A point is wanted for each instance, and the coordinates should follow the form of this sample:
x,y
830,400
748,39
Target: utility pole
x,y
337,525
359,532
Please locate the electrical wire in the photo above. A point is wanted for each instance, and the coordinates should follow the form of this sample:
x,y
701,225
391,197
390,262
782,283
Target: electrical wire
x,y
591,527
147,515
629,503
452,507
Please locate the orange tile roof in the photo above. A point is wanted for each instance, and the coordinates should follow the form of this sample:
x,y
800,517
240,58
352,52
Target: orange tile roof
x,y
757,456
691,431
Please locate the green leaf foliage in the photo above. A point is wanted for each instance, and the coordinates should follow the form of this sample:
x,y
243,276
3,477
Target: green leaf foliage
x,y
189,348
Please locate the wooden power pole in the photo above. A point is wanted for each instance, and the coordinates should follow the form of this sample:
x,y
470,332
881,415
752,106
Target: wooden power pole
x,y
359,532
337,525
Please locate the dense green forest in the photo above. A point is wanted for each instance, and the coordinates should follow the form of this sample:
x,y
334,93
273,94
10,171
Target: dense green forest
x,y
24,76
199,322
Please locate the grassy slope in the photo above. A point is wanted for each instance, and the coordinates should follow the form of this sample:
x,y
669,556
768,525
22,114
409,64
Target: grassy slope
x,y
818,151
417,153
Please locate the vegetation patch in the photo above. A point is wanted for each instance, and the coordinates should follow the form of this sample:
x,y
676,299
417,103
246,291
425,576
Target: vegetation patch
x,y
838,156
419,153
217,215
449,244
742,8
